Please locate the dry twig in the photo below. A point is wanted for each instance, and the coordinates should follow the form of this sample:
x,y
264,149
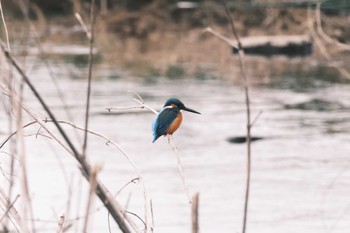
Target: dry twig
x,y
91,56
138,100
12,214
179,165
60,225
248,124
109,141
247,102
5,27
8,209
101,191
93,184
195,217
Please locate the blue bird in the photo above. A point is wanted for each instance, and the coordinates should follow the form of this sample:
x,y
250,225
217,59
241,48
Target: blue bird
x,y
170,118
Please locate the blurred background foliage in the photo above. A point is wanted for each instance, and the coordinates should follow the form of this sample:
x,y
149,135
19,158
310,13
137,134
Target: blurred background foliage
x,y
157,35
65,7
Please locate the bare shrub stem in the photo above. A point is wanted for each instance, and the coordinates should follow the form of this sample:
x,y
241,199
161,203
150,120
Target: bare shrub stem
x,y
195,216
12,214
60,227
8,209
247,103
5,27
112,206
179,165
248,123
91,57
93,184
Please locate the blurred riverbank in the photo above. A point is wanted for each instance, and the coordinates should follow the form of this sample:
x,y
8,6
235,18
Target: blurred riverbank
x,y
160,39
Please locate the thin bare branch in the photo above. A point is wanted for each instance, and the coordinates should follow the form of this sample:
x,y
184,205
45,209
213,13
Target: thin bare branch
x,y
27,210
195,217
7,73
123,108
132,181
138,217
172,143
109,142
152,215
5,27
38,96
101,191
91,57
82,24
145,106
12,214
8,209
138,100
227,40
141,102
256,118
93,184
9,137
60,225
36,36
248,123
120,190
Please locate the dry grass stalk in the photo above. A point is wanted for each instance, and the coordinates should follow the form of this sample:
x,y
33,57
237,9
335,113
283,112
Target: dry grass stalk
x,y
7,211
93,184
152,215
5,27
109,141
12,214
27,211
91,56
7,75
179,165
43,55
195,217
23,165
247,102
101,191
60,227
248,123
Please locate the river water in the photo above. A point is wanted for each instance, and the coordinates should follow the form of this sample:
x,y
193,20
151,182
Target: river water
x,y
300,169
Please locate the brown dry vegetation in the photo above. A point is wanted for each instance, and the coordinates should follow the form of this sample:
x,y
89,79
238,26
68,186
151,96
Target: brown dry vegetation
x,y
154,41
157,36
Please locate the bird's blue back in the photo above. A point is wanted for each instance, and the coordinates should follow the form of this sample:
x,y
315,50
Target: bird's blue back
x,y
163,121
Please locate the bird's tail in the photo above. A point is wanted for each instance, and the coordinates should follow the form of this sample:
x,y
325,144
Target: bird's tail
x,y
155,138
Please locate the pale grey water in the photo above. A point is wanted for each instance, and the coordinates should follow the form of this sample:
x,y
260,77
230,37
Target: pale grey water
x,y
301,170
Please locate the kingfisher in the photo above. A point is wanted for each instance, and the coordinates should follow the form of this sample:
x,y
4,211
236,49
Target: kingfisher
x,y
170,118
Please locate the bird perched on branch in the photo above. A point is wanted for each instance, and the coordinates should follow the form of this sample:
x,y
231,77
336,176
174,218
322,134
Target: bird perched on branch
x,y
170,118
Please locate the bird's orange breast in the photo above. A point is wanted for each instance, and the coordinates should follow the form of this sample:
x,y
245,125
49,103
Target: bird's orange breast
x,y
175,124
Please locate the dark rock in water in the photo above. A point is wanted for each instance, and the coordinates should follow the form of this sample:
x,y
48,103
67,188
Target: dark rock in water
x,y
242,139
316,105
294,45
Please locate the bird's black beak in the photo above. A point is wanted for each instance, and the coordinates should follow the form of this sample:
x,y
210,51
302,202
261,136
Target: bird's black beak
x,y
191,110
